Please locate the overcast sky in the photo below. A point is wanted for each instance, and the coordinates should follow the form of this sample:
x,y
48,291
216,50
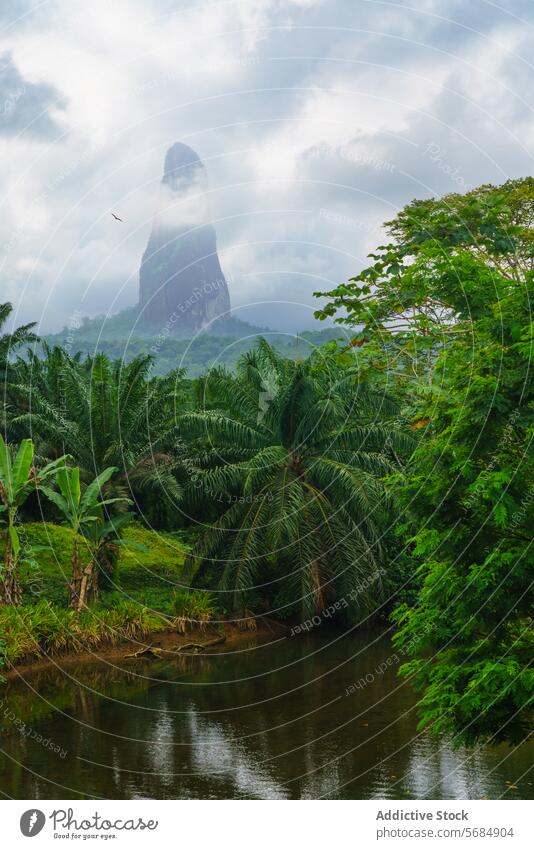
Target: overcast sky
x,y
316,121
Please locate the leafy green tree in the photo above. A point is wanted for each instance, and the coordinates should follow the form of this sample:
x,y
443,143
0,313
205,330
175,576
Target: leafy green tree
x,y
469,494
448,260
453,292
296,454
81,511
18,478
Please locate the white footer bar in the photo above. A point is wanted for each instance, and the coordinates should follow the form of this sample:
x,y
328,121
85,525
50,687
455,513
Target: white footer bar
x,y
267,824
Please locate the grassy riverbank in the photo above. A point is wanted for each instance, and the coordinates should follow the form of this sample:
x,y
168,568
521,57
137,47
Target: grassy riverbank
x,y
147,605
149,565
144,599
124,644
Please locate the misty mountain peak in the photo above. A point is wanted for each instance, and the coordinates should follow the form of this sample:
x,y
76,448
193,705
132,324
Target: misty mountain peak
x,y
181,283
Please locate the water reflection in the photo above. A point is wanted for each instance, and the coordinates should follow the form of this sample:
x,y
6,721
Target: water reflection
x,y
229,762
280,726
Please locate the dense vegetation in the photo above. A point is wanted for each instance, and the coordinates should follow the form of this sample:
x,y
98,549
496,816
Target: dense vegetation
x,y
125,336
390,477
297,454
447,307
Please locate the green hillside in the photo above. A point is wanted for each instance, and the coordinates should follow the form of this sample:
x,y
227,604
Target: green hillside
x,y
121,337
148,569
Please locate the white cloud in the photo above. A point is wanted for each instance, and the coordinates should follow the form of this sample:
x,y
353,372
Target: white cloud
x,y
294,107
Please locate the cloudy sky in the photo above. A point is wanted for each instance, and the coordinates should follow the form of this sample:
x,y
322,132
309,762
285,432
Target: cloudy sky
x,y
316,120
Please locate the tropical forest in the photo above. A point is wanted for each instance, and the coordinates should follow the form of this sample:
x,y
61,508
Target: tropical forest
x,y
364,502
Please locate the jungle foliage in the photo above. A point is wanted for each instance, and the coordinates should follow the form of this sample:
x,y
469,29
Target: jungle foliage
x,y
387,476
449,303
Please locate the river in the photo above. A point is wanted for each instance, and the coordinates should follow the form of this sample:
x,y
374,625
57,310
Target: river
x,y
319,716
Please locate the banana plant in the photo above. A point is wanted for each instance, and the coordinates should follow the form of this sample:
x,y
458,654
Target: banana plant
x,y
81,511
103,538
18,478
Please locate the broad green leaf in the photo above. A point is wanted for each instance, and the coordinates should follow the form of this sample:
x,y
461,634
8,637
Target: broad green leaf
x,y
15,542
22,464
63,481
93,491
57,499
116,523
120,498
6,473
51,468
75,485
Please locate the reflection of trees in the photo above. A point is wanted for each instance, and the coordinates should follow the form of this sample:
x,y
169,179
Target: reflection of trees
x,y
228,763
280,726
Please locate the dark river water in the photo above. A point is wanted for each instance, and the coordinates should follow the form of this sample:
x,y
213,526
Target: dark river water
x,y
278,721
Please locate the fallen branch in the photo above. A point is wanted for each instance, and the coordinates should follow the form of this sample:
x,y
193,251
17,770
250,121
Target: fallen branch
x,y
159,653
197,647
148,651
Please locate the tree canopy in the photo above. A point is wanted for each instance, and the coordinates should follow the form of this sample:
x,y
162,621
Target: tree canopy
x,y
452,295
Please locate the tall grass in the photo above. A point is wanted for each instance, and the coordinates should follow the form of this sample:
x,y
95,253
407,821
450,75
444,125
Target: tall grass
x,y
32,631
193,608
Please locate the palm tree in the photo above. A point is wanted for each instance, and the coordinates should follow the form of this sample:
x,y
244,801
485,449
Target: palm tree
x,y
81,510
10,342
105,414
18,477
298,453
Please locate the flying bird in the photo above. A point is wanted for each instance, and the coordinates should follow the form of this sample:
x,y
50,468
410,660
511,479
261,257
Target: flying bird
x,y
116,217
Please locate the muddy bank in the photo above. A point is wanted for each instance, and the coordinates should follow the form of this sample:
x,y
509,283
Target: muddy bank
x,y
162,645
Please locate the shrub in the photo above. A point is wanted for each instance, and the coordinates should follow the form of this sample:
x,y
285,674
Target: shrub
x,y
193,608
